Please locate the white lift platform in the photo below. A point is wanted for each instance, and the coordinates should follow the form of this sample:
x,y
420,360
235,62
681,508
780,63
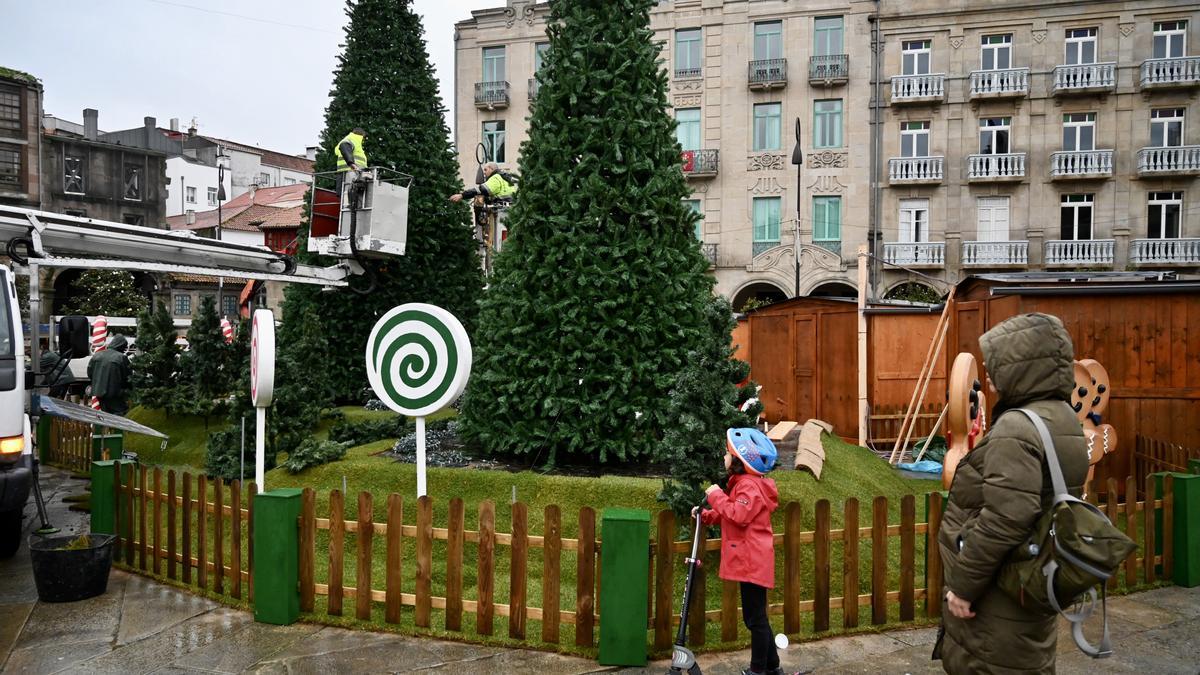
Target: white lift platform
x,y
369,218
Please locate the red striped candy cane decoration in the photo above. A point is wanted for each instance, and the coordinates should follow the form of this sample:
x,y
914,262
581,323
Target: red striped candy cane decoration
x,y
227,330
99,333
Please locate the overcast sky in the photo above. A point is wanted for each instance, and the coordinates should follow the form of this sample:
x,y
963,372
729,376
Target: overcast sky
x,y
254,71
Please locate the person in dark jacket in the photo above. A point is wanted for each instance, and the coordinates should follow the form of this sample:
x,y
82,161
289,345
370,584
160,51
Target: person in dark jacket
x,y
1000,490
110,374
55,374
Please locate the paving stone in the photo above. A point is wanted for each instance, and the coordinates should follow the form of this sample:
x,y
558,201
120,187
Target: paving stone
x,y
241,650
55,658
149,607
12,620
84,621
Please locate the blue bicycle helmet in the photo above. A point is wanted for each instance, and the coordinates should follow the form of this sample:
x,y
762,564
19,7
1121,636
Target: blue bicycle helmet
x,y
752,446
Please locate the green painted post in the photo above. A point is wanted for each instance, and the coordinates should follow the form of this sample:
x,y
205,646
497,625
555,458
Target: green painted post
x,y
104,507
1187,530
43,438
277,556
128,471
1194,466
103,439
624,586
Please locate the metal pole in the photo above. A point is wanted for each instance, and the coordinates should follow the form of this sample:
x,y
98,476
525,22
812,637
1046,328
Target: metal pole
x,y
260,449
863,406
420,456
242,456
798,160
35,319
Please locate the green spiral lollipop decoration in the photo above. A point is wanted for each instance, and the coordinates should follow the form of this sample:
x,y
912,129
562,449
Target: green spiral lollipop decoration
x,y
418,359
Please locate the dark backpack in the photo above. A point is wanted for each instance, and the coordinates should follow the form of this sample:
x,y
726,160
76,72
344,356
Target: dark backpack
x,y
1072,549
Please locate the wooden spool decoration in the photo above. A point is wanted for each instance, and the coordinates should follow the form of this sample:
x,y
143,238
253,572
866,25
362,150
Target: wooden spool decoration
x,y
964,417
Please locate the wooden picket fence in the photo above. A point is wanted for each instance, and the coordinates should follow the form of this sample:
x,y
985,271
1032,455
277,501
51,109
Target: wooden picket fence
x,y
70,445
1152,456
885,423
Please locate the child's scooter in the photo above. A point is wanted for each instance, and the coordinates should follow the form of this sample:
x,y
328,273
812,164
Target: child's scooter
x,y
682,658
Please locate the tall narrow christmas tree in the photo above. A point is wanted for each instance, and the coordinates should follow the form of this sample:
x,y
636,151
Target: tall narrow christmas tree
x,y
384,83
154,370
600,293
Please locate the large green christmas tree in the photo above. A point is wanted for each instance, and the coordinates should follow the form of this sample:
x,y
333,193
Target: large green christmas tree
x,y
107,292
600,293
155,368
385,84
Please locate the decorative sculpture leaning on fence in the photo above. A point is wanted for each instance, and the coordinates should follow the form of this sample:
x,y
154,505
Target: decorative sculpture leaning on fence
x,y
1090,400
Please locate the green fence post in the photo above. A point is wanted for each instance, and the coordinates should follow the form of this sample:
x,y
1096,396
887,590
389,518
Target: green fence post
x,y
1187,530
277,556
104,507
43,438
104,438
624,586
1194,466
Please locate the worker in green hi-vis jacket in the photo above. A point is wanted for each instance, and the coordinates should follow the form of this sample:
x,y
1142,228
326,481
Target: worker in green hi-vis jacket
x,y
110,374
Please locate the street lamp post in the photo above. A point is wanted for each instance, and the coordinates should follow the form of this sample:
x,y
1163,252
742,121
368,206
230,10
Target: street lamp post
x,y
798,161
222,162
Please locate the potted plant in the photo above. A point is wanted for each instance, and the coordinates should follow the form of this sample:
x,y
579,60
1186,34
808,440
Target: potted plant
x,y
69,568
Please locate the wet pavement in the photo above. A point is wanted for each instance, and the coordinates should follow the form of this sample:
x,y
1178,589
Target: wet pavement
x,y
140,626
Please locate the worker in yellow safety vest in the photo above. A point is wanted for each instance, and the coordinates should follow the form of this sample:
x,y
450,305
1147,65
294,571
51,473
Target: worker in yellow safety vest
x,y
350,155
494,186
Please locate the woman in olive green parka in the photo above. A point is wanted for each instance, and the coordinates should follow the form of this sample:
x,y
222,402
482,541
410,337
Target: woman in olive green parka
x,y
1000,489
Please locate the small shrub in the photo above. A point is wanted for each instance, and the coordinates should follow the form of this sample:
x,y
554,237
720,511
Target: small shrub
x,y
312,452
361,433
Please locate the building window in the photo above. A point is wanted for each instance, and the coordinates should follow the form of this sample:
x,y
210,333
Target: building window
x,y
133,182
1163,215
766,223
914,221
916,57
993,135
914,139
264,179
1076,217
78,213
827,219
767,125
694,206
687,129
10,111
289,181
74,170
1081,46
768,40
133,219
183,304
539,55
827,36
1079,132
494,68
191,195
493,141
10,169
229,305
827,123
1166,128
212,196
281,241
1170,39
992,218
688,48
996,52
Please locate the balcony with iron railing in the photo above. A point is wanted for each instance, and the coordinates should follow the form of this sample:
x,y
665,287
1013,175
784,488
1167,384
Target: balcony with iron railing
x,y
1180,160
829,69
533,88
701,163
918,88
768,74
915,254
1088,78
915,170
1003,167
491,95
1178,72
710,253
687,73
995,253
1008,83
1080,252
1149,252
1076,164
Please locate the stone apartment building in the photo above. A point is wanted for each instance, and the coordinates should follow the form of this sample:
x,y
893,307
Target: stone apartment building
x,y
20,139
1030,137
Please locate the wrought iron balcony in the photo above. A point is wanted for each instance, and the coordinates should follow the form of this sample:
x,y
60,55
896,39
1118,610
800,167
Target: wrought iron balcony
x,y
491,95
710,253
918,88
1169,73
768,74
533,88
1165,252
1012,82
700,163
915,170
915,254
687,73
828,70
1079,252
1010,166
1071,165
995,253
1085,79
1180,160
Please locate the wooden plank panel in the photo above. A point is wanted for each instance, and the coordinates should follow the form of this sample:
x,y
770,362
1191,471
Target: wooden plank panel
x,y
1149,572
424,560
366,514
454,562
850,562
485,578
308,548
395,558
156,523
337,525
142,529
219,535
664,578
729,611
792,525
171,525
879,547
821,568
551,560
933,559
187,528
908,523
202,531
585,579
519,571
235,538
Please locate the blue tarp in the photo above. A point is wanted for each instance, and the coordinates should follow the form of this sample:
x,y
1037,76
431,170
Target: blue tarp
x,y
923,466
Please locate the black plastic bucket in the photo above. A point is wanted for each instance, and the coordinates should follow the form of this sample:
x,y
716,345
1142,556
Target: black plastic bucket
x,y
70,575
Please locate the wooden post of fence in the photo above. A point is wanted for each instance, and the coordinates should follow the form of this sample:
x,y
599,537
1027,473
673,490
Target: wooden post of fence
x,y
1168,526
395,558
551,558
308,548
251,492
585,579
519,571
337,528
202,531
792,527
156,523
485,610
218,535
424,600
366,532
143,527
850,563
235,538
696,615
933,556
1148,520
729,611
664,579
128,481
821,568
454,561
908,533
187,529
879,560
171,525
